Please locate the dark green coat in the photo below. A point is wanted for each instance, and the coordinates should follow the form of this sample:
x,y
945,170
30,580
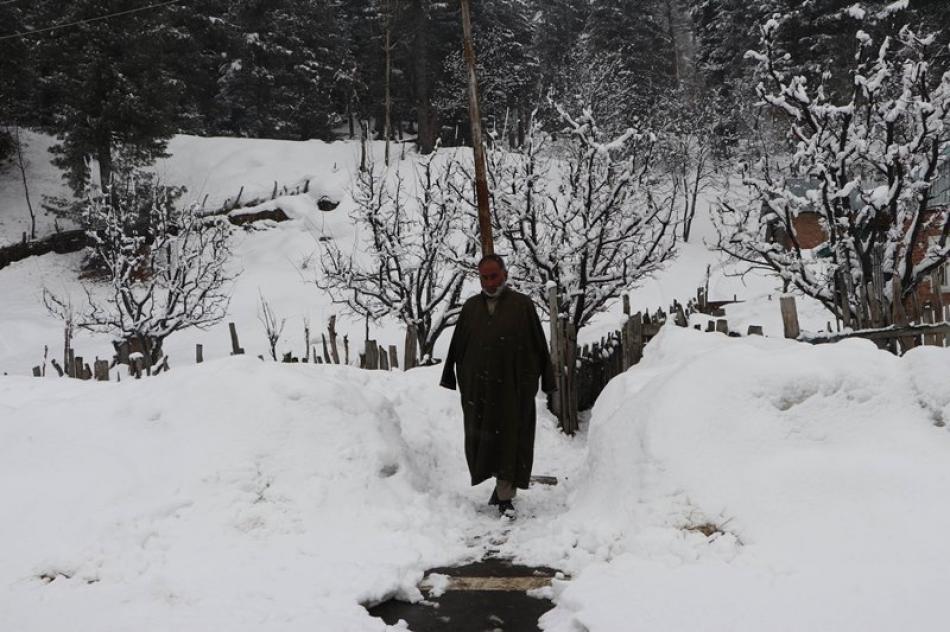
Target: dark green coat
x,y
498,359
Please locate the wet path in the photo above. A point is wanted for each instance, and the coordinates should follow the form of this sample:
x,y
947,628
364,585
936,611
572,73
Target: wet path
x,y
486,596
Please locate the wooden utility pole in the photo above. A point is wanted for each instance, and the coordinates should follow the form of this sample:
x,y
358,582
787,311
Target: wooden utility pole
x,y
387,131
481,181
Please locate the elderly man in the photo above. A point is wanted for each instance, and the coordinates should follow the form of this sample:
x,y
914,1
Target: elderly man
x,y
498,351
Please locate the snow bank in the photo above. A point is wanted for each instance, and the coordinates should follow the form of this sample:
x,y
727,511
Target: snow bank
x,y
236,495
819,471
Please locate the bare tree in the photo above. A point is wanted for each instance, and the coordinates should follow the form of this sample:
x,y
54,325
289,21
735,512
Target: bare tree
x,y
272,327
21,165
688,152
164,267
869,164
594,221
416,248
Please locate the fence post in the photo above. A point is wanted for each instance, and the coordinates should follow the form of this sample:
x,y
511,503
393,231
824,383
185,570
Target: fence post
x,y
632,340
102,370
929,340
335,354
556,362
235,345
383,359
412,346
393,357
372,355
570,383
199,354
790,317
681,318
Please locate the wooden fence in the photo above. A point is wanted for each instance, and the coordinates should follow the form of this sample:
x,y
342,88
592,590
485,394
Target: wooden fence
x,y
325,351
927,324
581,373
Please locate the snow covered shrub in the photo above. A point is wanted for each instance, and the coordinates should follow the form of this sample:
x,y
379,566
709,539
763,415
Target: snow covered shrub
x,y
863,167
162,265
417,250
593,216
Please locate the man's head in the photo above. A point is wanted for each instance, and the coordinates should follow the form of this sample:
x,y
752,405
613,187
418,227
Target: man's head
x,y
492,274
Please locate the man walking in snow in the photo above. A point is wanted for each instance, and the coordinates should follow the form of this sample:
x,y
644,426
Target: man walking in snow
x,y
498,352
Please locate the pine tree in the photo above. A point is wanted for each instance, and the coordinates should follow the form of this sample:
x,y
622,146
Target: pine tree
x,y
278,76
508,70
16,87
105,89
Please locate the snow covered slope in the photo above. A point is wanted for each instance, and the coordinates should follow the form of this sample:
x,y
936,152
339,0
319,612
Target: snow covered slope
x,y
280,263
241,494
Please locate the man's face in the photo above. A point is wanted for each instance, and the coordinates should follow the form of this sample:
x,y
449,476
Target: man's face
x,y
492,276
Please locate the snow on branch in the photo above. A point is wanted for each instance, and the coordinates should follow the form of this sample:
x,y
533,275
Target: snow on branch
x,y
592,216
861,169
161,268
415,250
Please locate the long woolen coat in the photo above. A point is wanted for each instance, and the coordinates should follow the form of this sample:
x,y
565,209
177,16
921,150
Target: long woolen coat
x,y
499,358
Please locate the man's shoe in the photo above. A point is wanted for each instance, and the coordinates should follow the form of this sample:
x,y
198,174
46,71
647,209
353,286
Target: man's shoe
x,y
494,498
506,508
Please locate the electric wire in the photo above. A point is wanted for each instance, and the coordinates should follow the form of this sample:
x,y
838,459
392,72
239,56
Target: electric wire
x,y
85,21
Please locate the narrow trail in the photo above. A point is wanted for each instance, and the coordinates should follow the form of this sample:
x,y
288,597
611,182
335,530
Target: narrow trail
x,y
490,594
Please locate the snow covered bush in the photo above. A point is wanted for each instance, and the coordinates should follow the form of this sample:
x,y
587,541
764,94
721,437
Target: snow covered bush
x,y
164,266
417,253
868,164
594,218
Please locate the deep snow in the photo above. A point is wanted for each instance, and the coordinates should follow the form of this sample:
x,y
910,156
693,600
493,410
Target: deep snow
x,y
242,494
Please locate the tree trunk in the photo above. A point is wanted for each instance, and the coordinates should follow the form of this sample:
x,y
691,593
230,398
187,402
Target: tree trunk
x,y
426,116
26,188
387,130
104,156
682,36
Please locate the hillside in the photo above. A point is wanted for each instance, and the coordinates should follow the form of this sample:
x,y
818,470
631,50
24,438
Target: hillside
x,y
721,484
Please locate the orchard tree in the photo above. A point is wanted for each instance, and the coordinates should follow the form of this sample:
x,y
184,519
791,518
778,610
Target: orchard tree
x,y
163,268
104,86
417,253
871,159
595,219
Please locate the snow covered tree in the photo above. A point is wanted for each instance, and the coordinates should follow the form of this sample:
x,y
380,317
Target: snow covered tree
x,y
16,87
279,78
869,160
417,251
595,221
507,68
688,151
104,90
635,32
164,266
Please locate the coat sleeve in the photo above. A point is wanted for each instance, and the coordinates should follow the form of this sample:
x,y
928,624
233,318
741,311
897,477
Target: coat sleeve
x,y
454,356
541,348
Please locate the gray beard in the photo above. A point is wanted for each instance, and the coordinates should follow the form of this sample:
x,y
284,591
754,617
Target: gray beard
x,y
497,292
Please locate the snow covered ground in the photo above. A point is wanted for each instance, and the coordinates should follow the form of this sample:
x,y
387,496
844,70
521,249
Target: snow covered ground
x,y
247,495
241,494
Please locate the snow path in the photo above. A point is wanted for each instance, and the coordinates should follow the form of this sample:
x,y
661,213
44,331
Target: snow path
x,y
241,495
